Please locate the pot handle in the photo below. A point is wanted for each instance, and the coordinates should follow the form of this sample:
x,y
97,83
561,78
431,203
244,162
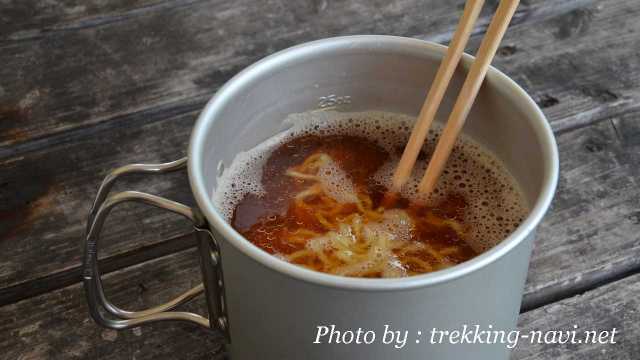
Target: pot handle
x,y
123,319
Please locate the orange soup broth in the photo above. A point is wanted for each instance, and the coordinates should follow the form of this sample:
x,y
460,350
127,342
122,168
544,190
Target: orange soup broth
x,y
279,225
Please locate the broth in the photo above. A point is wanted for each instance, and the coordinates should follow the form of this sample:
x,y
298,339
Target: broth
x,y
313,196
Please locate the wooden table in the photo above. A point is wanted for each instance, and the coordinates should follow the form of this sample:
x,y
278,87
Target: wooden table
x,y
86,86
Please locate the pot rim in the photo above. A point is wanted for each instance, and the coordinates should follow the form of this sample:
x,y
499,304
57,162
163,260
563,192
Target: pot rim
x,y
499,80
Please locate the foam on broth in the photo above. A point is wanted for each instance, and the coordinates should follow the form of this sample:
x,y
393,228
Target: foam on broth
x,y
493,205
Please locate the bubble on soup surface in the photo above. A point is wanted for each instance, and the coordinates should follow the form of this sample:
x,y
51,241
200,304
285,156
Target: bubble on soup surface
x,y
485,184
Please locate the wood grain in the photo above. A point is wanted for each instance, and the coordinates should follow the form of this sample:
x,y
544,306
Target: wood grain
x,y
57,325
582,66
592,233
59,279
28,19
436,93
66,77
45,198
595,214
86,86
468,93
47,186
611,306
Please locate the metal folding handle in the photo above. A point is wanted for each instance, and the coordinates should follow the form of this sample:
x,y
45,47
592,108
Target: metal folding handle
x,y
122,319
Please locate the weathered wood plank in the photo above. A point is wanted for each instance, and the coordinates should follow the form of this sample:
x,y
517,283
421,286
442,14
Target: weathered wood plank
x,y
592,233
81,75
45,193
46,189
581,66
60,279
57,325
20,20
594,215
611,306
45,198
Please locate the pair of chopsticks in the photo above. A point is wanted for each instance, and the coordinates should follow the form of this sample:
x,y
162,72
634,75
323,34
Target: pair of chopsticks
x,y
467,96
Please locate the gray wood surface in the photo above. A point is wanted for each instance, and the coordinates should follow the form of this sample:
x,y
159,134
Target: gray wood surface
x,y
582,66
57,326
181,51
80,95
614,305
592,233
47,194
67,165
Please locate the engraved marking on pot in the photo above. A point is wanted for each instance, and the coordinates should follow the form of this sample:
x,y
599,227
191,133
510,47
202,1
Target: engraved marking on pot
x,y
333,100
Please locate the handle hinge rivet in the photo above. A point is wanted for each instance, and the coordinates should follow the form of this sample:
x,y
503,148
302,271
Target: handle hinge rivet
x,y
222,323
214,258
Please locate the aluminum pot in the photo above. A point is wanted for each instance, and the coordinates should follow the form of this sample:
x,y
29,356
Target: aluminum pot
x,y
271,309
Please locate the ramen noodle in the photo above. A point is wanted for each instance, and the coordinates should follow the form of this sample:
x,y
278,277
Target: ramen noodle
x,y
313,196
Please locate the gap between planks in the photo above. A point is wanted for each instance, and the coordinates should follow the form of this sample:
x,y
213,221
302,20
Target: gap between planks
x,y
134,119
174,246
97,20
532,300
109,264
526,15
154,110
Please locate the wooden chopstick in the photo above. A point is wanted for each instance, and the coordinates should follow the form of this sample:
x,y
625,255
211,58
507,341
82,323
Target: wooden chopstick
x,y
467,96
436,93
